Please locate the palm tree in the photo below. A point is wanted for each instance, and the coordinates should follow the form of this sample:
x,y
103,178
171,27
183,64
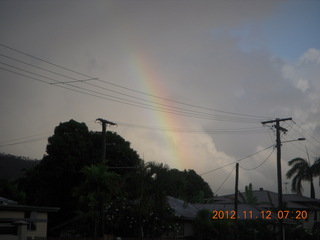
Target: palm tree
x,y
302,170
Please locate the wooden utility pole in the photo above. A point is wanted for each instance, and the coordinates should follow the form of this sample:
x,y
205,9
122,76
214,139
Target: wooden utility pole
x,y
236,203
104,136
278,141
103,159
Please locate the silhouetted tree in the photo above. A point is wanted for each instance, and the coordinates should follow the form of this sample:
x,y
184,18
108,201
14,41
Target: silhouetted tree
x,y
302,170
249,195
206,229
187,185
9,189
12,167
73,177
97,190
69,150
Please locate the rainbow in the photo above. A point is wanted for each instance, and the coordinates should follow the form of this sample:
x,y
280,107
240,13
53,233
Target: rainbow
x,y
152,83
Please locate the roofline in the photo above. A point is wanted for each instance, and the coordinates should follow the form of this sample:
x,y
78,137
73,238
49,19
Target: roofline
x,y
29,208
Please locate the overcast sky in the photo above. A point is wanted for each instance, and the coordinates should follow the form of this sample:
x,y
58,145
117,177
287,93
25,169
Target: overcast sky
x,y
187,82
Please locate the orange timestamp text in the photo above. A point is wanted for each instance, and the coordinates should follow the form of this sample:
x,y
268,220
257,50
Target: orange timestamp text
x,y
268,215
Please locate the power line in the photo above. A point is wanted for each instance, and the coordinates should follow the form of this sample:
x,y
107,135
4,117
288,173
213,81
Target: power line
x,y
35,137
306,132
241,159
225,180
253,130
182,112
294,144
40,59
23,138
22,142
93,93
41,68
249,169
182,103
29,139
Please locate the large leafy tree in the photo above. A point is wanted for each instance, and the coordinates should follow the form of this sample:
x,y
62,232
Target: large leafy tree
x,y
52,181
302,170
72,147
73,177
187,185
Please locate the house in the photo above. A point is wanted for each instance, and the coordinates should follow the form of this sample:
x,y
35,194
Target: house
x,y
303,209
22,222
223,208
185,214
300,209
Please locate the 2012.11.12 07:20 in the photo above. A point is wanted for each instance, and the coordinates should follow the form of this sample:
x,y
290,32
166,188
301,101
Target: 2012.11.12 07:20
x,y
268,215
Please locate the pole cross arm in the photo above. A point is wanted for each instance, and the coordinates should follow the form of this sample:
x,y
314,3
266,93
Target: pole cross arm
x,y
103,121
276,120
281,128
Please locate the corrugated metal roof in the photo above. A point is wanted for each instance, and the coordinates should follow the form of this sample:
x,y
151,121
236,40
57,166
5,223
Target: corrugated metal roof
x,y
5,201
182,209
245,211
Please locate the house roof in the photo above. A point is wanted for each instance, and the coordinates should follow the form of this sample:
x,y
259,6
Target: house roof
x,y
267,199
7,204
188,211
300,198
245,211
224,199
5,201
182,209
28,208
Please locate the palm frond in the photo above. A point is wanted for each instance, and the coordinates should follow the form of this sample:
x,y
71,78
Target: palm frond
x,y
297,164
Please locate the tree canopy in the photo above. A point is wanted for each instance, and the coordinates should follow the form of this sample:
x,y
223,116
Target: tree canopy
x,y
72,176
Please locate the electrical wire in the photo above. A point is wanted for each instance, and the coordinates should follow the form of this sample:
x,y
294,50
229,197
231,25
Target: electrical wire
x,y
22,142
249,169
308,137
121,100
241,159
306,132
173,110
225,180
43,60
36,137
41,68
302,148
186,104
252,130
32,138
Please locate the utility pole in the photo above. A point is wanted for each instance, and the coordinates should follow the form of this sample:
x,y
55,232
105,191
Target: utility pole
x,y
104,136
278,141
236,203
101,203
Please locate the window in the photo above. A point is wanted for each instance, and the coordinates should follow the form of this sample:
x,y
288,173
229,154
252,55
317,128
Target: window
x,y
181,229
30,218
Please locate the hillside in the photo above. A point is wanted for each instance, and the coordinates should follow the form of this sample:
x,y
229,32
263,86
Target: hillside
x,y
11,167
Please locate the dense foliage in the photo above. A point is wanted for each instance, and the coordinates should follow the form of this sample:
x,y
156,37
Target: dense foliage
x,y
12,167
73,177
206,229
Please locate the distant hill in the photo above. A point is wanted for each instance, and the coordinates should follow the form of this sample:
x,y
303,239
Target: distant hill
x,y
11,167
